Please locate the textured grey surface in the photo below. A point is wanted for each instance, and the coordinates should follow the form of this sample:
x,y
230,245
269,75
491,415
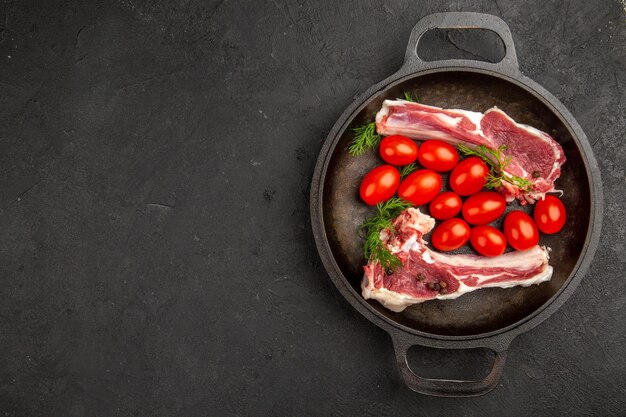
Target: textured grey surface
x,y
155,252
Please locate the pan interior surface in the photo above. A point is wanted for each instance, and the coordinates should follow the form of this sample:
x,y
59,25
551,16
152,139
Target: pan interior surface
x,y
484,310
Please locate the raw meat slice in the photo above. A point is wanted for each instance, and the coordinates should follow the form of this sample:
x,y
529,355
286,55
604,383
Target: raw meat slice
x,y
535,156
427,275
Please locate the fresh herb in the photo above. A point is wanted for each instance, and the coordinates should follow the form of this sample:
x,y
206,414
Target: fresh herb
x,y
374,249
365,138
407,169
410,97
497,162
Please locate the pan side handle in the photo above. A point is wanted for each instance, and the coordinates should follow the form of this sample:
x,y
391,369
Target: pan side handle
x,y
461,20
447,387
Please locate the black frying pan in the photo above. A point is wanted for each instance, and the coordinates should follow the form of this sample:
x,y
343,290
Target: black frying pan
x,y
489,318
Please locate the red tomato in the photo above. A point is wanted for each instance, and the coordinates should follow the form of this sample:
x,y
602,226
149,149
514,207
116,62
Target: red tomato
x,y
549,214
380,184
445,205
483,207
450,235
520,230
469,176
488,240
438,156
420,187
398,150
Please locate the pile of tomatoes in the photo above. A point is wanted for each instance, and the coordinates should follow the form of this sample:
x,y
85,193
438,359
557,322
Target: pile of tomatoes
x,y
467,179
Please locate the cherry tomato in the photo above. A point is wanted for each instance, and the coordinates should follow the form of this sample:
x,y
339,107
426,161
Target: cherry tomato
x,y
549,214
483,207
398,150
469,176
520,230
488,240
438,156
420,187
380,184
445,205
450,235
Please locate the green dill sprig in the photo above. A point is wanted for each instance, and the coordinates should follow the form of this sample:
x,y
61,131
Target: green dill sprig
x,y
497,162
410,97
407,169
365,137
374,249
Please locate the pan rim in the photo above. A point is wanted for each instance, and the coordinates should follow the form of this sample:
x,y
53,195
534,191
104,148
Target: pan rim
x,y
543,311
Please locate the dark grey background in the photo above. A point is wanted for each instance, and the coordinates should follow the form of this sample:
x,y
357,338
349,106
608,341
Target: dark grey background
x,y
156,257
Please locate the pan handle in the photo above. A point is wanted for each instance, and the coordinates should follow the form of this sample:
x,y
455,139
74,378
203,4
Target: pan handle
x,y
461,20
447,387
